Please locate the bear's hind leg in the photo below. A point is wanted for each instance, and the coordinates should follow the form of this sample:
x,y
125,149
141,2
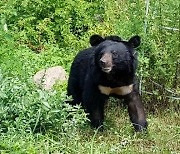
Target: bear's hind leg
x,y
74,90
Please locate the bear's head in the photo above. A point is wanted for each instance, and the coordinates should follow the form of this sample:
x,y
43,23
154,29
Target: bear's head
x,y
112,54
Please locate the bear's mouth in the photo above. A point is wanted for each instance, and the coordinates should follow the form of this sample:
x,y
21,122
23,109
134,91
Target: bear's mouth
x,y
106,69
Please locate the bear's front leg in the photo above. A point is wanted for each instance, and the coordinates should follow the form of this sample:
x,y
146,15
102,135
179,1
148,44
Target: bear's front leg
x,y
93,102
136,111
96,114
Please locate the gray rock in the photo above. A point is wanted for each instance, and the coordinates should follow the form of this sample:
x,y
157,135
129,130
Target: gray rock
x,y
46,78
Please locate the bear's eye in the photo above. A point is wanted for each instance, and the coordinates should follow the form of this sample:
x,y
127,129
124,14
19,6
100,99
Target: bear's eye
x,y
115,54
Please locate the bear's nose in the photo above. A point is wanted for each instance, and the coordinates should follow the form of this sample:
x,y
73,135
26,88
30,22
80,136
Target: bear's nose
x,y
103,62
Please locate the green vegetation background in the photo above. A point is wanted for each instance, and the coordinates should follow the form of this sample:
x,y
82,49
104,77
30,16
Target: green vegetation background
x,y
37,34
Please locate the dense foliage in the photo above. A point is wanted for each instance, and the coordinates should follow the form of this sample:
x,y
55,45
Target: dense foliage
x,y
36,34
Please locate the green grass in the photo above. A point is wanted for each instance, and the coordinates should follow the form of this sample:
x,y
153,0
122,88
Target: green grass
x,y
34,121
162,137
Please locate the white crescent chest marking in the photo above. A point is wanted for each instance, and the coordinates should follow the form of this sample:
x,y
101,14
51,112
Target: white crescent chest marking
x,y
124,90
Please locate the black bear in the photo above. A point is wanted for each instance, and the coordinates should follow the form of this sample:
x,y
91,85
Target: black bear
x,y
103,70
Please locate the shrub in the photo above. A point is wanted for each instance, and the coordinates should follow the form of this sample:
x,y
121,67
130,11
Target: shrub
x,y
39,22
24,107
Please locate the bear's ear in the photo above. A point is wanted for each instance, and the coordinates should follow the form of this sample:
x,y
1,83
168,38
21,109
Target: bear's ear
x,y
95,40
135,41
113,38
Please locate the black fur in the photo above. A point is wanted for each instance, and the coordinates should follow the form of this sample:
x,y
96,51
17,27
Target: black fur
x,y
97,39
86,75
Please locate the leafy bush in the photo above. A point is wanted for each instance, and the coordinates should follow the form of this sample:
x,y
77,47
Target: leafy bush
x,y
39,22
24,107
